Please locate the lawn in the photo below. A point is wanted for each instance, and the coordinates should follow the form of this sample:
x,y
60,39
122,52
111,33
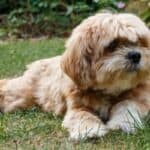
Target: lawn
x,y
36,130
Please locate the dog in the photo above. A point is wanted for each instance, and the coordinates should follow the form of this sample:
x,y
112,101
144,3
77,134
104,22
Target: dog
x,y
100,83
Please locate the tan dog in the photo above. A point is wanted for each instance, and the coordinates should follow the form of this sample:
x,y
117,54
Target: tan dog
x,y
99,83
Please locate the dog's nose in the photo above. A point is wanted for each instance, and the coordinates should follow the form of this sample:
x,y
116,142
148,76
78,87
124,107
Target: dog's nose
x,y
134,57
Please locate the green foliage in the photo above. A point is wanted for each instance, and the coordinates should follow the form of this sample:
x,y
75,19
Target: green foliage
x,y
141,8
50,17
146,13
28,18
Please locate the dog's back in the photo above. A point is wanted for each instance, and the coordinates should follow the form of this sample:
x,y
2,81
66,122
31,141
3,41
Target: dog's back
x,y
43,84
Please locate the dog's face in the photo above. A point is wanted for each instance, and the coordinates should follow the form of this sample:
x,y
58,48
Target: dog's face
x,y
110,52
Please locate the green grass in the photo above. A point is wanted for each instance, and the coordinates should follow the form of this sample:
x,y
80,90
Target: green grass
x,y
36,130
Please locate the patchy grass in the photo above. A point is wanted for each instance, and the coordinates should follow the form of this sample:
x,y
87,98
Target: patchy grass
x,y
36,130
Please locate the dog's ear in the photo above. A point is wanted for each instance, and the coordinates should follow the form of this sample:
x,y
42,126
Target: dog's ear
x,y
78,58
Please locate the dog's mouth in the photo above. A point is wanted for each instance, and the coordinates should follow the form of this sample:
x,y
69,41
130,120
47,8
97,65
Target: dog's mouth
x,y
132,67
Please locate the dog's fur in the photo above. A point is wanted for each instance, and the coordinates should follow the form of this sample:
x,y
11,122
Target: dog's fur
x,y
92,84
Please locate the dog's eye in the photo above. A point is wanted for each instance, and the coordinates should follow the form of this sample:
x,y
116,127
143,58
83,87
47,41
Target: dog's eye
x,y
112,46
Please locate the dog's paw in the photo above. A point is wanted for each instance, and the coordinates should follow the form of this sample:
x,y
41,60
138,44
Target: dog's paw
x,y
85,133
127,126
124,126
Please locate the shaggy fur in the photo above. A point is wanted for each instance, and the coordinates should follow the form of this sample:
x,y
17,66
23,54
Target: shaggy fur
x,y
93,84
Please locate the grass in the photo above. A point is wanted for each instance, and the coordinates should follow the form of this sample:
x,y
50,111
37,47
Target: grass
x,y
36,130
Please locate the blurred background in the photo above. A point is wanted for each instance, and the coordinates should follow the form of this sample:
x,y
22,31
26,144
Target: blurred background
x,y
38,18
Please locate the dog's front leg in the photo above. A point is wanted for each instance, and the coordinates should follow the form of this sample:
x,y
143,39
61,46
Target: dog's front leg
x,y
127,116
82,123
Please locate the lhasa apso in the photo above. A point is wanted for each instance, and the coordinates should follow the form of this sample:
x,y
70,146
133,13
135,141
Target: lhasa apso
x,y
100,83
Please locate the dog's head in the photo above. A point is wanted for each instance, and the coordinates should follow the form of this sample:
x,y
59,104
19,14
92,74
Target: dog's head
x,y
110,52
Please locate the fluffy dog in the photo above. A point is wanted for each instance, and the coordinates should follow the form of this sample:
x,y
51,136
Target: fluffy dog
x,y
100,83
